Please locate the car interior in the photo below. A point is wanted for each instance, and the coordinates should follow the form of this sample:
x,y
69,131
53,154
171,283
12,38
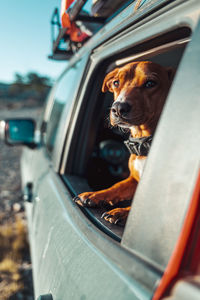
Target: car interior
x,y
103,160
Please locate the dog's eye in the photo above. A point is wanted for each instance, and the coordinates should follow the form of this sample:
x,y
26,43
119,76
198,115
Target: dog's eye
x,y
149,84
116,83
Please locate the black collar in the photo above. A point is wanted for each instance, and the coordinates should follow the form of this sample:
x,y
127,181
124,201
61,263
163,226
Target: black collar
x,y
139,146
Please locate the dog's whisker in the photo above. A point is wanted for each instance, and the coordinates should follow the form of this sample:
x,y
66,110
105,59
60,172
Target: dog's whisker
x,y
107,122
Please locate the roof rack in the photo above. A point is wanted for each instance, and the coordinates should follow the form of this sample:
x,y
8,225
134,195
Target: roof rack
x,y
62,46
78,26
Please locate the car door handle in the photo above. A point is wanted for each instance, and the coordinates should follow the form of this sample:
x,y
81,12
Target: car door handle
x,y
28,192
45,297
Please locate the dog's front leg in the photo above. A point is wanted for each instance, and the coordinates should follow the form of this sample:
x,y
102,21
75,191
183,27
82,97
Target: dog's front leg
x,y
123,190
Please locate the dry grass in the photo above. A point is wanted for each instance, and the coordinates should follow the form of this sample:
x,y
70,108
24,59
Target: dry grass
x,y
13,247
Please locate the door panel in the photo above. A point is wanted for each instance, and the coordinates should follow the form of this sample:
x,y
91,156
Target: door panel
x,y
71,258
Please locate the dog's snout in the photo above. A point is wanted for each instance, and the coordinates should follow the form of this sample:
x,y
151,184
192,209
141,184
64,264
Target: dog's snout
x,y
120,109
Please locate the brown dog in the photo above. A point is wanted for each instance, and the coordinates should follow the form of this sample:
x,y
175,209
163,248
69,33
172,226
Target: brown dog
x,y
140,90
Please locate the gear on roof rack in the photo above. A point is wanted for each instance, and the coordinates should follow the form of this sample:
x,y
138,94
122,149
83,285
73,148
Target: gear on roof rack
x,y
76,24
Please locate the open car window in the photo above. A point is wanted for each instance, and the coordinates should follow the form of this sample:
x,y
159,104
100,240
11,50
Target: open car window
x,y
102,158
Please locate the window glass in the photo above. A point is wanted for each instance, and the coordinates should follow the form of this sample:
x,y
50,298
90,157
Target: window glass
x,y
63,97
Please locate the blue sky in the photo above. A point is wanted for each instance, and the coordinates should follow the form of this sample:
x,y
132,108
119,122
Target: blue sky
x,y
26,38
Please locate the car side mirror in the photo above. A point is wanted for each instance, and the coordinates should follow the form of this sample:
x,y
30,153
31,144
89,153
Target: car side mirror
x,y
18,132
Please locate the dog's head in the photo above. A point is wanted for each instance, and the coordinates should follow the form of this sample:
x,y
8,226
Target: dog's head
x,y
140,90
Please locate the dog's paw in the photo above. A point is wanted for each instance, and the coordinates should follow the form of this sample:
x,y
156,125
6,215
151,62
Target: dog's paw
x,y
90,199
84,200
117,216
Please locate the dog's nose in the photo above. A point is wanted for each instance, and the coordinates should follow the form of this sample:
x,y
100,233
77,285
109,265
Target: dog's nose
x,y
120,109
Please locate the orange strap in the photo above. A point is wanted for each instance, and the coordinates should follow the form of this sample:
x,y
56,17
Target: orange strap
x,y
65,4
76,35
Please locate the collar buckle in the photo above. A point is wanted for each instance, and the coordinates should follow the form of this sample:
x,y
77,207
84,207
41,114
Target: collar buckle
x,y
139,146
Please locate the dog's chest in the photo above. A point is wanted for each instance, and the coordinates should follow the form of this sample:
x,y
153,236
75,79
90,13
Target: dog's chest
x,y
138,164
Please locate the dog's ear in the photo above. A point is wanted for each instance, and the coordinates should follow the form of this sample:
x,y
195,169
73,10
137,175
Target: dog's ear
x,y
171,73
107,83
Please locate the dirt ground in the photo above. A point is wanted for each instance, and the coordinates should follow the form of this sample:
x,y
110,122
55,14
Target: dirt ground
x,y
15,264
